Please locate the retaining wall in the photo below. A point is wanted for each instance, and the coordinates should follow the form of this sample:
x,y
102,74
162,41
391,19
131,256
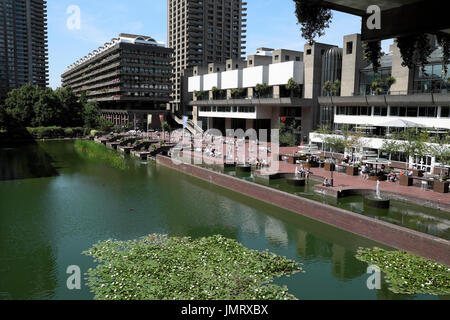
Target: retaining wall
x,y
421,244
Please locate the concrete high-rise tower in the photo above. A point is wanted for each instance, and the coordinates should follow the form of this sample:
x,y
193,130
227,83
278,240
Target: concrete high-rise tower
x,y
23,44
202,32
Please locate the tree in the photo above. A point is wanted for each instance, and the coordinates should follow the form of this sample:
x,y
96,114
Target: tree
x,y
327,86
20,104
293,87
414,144
71,108
46,109
313,18
3,118
390,81
335,143
91,115
376,86
441,151
444,42
262,89
336,88
372,53
354,142
414,49
390,146
105,125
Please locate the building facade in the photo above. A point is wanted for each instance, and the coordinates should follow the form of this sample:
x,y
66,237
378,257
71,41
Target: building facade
x,y
129,77
202,32
388,102
252,94
23,44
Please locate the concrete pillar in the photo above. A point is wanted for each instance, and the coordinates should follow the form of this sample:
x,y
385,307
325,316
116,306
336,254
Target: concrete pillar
x,y
352,62
403,75
249,124
276,92
227,123
251,93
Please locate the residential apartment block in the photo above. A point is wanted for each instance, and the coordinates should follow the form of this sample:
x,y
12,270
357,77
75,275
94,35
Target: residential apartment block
x,y
23,44
129,77
202,32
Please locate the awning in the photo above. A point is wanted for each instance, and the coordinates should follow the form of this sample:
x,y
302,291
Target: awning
x,y
401,124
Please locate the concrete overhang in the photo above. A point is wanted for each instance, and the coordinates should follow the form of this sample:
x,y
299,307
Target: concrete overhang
x,y
411,100
398,17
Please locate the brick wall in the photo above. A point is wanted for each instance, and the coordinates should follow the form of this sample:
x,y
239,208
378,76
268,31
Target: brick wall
x,y
427,246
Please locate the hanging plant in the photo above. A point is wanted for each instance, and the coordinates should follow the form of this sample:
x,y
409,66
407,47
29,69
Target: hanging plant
x,y
313,18
414,49
372,53
444,41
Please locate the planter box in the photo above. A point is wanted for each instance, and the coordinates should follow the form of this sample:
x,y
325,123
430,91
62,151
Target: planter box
x,y
353,171
330,167
441,186
418,173
406,181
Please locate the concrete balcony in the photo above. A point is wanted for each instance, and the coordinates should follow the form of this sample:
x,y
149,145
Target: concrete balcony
x,y
281,102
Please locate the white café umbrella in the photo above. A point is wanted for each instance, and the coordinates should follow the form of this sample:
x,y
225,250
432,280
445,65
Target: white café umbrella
x,y
399,123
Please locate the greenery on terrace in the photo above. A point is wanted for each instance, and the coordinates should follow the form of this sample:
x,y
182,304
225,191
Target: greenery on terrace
x,y
158,267
407,273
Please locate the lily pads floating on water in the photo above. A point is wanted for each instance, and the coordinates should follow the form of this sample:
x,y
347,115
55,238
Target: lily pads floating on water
x,y
407,273
158,267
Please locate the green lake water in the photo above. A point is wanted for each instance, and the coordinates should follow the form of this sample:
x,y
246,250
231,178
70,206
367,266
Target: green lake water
x,y
54,205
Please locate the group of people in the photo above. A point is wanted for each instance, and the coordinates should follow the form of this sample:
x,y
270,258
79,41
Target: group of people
x,y
261,163
303,173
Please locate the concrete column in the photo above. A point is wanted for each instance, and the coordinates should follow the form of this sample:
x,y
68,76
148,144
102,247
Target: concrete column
x,y
251,93
228,94
403,75
227,123
249,124
352,62
276,92
275,121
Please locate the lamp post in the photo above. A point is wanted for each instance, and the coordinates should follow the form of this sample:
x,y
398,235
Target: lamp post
x,y
332,175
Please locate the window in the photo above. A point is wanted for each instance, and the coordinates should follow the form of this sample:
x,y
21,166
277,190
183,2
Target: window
x,y
445,112
277,57
286,58
380,111
349,47
308,52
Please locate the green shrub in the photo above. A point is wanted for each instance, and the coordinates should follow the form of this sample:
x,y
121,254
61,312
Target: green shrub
x,y
46,132
68,133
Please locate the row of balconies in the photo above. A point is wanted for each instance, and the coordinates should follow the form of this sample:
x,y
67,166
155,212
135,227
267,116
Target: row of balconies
x,y
273,74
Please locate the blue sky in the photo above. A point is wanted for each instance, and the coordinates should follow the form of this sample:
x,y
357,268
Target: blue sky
x,y
270,23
